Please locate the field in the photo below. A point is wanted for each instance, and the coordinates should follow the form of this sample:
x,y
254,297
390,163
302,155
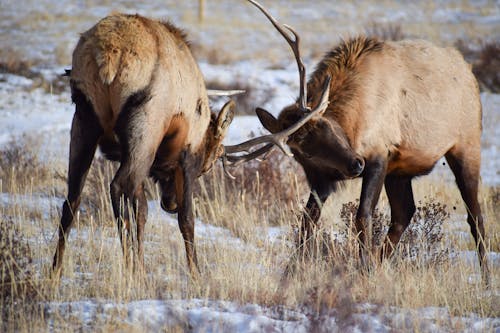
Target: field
x,y
245,228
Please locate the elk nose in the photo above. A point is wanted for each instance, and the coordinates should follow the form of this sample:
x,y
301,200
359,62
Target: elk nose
x,y
168,204
357,167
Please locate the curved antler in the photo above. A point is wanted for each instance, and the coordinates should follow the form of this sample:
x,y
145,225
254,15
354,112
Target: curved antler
x,y
217,92
294,45
280,138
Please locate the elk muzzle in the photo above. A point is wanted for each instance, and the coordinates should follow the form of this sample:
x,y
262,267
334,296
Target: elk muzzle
x,y
356,167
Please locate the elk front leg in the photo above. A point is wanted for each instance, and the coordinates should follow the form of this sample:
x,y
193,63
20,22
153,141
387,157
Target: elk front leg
x,y
373,180
309,221
138,137
400,195
85,133
184,178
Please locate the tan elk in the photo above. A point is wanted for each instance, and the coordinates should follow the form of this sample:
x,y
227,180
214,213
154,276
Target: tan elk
x,y
395,108
140,96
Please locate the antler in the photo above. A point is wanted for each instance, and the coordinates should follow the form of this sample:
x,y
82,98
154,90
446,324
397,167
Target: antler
x,y
294,44
280,138
216,92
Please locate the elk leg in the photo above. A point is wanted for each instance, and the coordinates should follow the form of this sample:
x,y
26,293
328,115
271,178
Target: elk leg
x,y
184,191
373,180
310,218
400,195
320,190
85,133
141,216
127,194
465,167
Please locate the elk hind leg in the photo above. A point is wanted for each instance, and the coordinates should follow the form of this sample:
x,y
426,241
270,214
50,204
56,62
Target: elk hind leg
x,y
129,204
400,194
465,167
85,133
137,142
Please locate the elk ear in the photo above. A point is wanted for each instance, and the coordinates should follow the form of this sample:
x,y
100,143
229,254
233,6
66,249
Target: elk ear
x,y
267,120
224,119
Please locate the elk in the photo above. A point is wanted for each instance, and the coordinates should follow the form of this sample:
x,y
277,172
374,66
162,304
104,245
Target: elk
x,y
139,95
395,108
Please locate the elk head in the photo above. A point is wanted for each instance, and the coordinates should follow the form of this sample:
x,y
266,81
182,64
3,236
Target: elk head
x,y
320,142
212,151
216,132
313,138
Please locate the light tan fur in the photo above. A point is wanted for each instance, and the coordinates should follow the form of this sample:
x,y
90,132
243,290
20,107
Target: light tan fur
x,y
428,103
123,54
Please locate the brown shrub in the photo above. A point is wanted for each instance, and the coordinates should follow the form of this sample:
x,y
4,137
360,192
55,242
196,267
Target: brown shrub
x,y
270,185
422,240
13,63
17,289
20,166
391,31
424,236
485,60
380,222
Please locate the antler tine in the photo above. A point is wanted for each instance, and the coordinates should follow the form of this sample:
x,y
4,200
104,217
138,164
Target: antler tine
x,y
228,160
233,160
294,44
279,139
216,92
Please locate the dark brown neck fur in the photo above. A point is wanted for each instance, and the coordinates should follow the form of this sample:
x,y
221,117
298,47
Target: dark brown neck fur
x,y
341,64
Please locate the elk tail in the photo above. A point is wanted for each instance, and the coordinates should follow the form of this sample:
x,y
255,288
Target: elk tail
x,y
108,62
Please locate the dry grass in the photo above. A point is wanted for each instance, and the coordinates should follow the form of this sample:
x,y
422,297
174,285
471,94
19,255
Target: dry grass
x,y
20,167
243,265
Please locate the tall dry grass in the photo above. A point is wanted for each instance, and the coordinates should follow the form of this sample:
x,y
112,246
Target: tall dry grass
x,y
238,260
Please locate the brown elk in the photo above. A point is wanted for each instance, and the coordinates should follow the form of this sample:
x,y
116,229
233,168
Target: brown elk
x,y
395,108
140,96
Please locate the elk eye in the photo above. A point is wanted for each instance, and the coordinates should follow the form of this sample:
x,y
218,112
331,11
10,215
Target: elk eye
x,y
300,137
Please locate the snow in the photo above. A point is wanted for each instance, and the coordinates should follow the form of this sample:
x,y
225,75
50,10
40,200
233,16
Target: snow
x,y
195,315
198,315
